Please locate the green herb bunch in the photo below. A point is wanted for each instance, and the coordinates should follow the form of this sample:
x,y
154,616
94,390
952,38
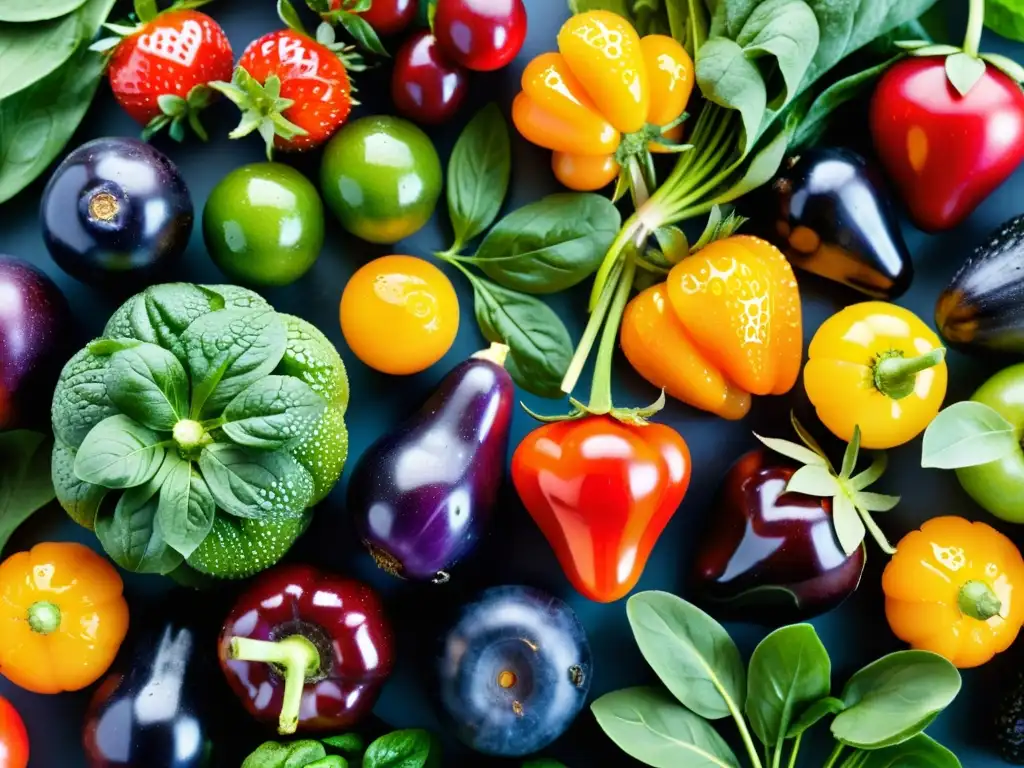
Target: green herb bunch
x,y
877,720
199,430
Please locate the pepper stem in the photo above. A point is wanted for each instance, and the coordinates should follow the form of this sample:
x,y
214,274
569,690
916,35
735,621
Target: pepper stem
x,y
497,353
601,389
975,26
44,617
896,377
978,600
295,656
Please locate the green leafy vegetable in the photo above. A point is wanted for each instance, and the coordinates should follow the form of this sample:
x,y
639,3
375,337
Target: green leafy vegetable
x,y
119,453
404,749
478,175
30,52
21,11
25,484
256,484
274,413
922,751
814,714
1005,17
148,384
399,749
186,509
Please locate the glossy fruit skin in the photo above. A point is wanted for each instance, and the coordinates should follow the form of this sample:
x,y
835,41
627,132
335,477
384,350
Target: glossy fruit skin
x,y
14,749
979,311
423,494
535,637
946,152
769,556
411,298
426,87
382,178
584,173
387,17
829,212
263,224
839,375
576,479
482,35
343,618
115,210
35,336
923,580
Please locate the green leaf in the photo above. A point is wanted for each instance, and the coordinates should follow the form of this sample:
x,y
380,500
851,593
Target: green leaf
x,y
849,526
346,742
21,11
25,482
895,698
30,52
787,31
551,245
297,754
274,413
186,509
967,434
649,725
229,350
793,451
361,31
673,243
287,13
789,670
119,453
919,752
540,348
691,653
478,174
148,384
1006,65
813,480
728,78
814,714
870,475
255,484
875,502
850,455
80,500
761,168
1004,17
964,71
412,748
161,313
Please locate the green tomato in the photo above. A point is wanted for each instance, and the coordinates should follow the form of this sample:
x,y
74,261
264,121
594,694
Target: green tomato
x,y
999,485
382,178
264,224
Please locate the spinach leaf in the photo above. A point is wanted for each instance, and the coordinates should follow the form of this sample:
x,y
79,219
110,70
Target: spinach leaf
x,y
276,412
186,509
691,653
651,726
787,31
119,453
161,313
255,484
789,669
540,348
148,384
895,698
25,483
478,174
80,500
814,714
30,52
728,78
298,754
20,11
229,350
1006,18
551,245
80,401
404,749
922,751
346,742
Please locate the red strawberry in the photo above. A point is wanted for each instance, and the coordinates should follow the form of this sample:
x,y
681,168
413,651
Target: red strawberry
x,y
292,89
160,70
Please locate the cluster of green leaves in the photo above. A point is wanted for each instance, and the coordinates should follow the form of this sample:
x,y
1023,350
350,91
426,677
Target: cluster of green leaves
x,y
25,484
879,716
48,77
347,15
542,248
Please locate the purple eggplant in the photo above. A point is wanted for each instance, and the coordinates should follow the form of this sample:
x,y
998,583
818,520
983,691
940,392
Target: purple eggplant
x,y
35,331
422,495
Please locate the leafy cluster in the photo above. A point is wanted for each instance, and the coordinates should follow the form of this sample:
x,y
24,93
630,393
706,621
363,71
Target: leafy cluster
x,y
199,428
877,720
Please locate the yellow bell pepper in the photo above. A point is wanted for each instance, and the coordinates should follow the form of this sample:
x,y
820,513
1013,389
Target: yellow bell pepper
x,y
950,589
879,367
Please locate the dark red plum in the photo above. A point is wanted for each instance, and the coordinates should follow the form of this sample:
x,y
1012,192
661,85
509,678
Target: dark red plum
x,y
116,210
35,342
422,495
769,556
426,86
514,671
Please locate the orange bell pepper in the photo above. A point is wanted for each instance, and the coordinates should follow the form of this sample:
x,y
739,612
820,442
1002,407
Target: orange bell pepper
x,y
63,617
951,589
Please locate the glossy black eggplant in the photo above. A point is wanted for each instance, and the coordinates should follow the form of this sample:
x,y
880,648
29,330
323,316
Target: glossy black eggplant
x,y
422,495
828,211
116,210
982,310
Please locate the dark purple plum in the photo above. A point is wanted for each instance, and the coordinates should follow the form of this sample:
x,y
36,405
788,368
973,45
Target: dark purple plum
x,y
116,211
422,495
35,342
768,556
514,671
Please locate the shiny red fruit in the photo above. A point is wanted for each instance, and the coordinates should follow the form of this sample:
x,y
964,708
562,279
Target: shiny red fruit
x,y
13,737
946,152
426,87
482,35
387,17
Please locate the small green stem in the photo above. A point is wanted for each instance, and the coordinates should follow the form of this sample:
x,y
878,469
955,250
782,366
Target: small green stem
x,y
296,656
834,757
796,751
586,345
44,617
601,388
896,376
978,600
975,26
630,231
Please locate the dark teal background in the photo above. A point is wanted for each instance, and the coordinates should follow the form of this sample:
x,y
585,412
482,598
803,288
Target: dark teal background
x,y
515,552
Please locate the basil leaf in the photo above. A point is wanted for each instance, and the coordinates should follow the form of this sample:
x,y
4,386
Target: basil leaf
x,y
967,434
229,350
25,482
551,245
255,484
361,31
276,412
148,384
186,509
787,31
649,725
895,698
789,669
922,751
30,52
20,11
691,653
728,78
119,453
478,174
814,714
80,500
540,348
346,742
298,754
404,749
162,313
80,401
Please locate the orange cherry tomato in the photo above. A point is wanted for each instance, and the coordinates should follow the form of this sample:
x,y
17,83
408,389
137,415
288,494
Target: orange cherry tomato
x,y
584,173
13,737
399,314
551,131
671,75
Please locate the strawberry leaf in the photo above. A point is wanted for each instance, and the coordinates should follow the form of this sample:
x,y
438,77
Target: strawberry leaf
x,y
793,451
808,439
172,105
197,125
813,480
177,129
362,33
870,475
850,457
106,44
876,532
849,526
964,71
875,502
287,13
1005,65
146,10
